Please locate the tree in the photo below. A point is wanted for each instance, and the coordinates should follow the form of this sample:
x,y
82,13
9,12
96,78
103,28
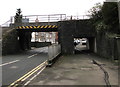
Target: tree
x,y
96,17
96,12
105,17
18,16
110,15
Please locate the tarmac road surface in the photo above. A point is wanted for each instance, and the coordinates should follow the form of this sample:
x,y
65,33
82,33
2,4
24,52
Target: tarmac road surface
x,y
15,66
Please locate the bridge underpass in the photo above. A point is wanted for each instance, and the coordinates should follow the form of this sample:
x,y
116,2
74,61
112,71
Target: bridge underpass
x,y
67,31
75,29
21,63
85,44
25,34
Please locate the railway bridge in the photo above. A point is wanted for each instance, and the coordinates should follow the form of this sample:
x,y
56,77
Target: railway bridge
x,y
68,28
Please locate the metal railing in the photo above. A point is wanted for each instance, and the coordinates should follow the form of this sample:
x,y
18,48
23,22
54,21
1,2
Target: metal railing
x,y
78,17
45,18
54,51
6,24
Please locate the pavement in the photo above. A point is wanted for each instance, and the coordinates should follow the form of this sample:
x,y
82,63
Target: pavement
x,y
78,69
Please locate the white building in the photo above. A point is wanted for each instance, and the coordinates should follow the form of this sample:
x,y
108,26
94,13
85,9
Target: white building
x,y
44,37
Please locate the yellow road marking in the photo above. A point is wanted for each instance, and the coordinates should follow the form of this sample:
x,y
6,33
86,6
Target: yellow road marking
x,y
32,73
27,74
34,76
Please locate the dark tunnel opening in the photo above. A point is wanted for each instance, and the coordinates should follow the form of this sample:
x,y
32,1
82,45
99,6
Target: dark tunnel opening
x,y
84,45
24,40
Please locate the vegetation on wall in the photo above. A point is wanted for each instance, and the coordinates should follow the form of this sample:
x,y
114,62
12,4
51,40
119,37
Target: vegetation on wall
x,y
105,20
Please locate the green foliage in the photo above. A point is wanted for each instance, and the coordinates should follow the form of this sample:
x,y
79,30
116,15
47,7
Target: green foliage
x,y
110,15
102,27
96,13
105,17
96,16
18,16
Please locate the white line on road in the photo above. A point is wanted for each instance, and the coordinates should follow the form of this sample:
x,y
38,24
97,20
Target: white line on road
x,y
32,55
9,63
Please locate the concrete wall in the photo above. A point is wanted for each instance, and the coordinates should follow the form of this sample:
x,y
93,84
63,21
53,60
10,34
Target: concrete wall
x,y
10,43
117,48
107,44
108,47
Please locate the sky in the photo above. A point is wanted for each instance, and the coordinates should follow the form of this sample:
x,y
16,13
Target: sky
x,y
44,7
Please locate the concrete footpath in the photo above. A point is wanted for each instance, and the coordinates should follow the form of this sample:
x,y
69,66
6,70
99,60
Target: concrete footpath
x,y
78,70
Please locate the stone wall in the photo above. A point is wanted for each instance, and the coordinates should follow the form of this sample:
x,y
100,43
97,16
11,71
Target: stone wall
x,y
66,37
68,30
83,28
10,43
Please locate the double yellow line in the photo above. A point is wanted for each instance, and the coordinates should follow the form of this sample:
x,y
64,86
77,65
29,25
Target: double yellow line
x,y
27,75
